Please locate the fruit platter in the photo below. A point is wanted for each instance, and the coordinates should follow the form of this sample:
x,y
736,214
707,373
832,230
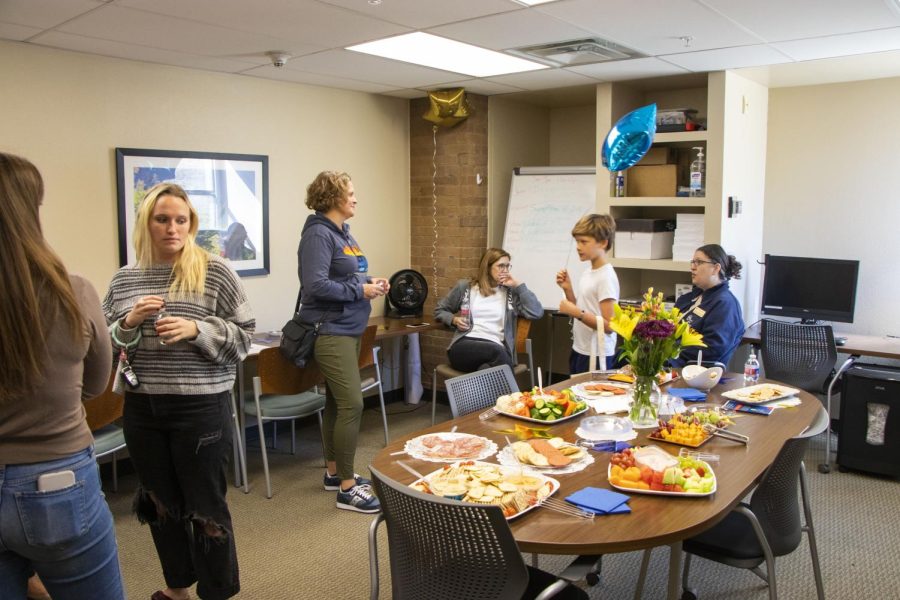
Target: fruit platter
x,y
691,428
652,470
554,453
450,447
514,491
551,405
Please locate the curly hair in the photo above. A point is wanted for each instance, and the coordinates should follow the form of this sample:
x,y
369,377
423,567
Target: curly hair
x,y
327,190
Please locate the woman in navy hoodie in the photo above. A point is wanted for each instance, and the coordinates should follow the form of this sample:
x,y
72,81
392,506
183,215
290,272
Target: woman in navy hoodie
x,y
336,290
710,307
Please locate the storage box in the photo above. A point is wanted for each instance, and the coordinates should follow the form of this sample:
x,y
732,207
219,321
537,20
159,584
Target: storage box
x,y
644,238
660,155
652,180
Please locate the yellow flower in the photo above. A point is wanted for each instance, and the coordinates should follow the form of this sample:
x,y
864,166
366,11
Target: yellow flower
x,y
690,337
623,322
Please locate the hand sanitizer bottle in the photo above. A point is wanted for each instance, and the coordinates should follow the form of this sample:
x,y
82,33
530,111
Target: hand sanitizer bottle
x,y
698,174
751,368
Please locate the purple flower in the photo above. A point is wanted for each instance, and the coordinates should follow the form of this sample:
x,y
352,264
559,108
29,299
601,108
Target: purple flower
x,y
656,329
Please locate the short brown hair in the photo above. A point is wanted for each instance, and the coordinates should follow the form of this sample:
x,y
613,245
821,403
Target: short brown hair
x,y
327,190
600,227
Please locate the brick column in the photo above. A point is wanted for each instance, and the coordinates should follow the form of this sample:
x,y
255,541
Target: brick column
x,y
461,209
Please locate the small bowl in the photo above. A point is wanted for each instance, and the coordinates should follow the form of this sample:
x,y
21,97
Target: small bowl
x,y
604,427
700,377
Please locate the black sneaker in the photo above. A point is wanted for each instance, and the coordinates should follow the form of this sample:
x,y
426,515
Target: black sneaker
x,y
332,483
360,498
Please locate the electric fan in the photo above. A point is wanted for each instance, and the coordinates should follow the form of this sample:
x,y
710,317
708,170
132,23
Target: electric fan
x,y
407,294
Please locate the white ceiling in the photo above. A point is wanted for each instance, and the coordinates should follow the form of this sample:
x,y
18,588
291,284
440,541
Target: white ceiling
x,y
779,42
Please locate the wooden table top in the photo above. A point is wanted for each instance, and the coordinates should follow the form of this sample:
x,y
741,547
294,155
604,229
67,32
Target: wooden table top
x,y
654,520
390,327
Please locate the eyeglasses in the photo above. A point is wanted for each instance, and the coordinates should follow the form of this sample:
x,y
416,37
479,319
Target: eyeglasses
x,y
696,263
503,266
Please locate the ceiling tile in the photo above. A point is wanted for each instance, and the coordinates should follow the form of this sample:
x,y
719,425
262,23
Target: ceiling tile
x,y
727,58
511,30
807,18
159,31
842,45
655,28
17,33
622,70
285,74
407,93
365,67
482,86
77,43
542,80
43,14
829,70
421,14
299,21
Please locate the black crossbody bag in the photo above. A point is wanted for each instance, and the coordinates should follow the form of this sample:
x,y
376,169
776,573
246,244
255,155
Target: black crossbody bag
x,y
298,338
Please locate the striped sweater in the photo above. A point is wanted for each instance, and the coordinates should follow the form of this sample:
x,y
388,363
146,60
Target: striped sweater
x,y
205,365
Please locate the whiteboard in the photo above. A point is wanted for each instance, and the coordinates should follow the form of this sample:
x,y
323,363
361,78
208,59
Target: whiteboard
x,y
544,205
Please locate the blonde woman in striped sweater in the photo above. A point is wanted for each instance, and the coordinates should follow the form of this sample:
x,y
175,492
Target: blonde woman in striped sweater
x,y
179,321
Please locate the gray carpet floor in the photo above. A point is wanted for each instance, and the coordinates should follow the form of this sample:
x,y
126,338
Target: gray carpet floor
x,y
298,545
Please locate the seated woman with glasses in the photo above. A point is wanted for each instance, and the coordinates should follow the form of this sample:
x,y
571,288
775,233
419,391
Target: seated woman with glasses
x,y
710,307
483,312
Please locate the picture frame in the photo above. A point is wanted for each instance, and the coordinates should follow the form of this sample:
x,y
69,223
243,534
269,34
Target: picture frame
x,y
229,191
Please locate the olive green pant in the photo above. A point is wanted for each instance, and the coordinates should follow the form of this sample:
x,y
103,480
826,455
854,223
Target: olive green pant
x,y
338,358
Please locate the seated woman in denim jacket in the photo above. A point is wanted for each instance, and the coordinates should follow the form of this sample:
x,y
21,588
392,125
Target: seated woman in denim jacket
x,y
483,311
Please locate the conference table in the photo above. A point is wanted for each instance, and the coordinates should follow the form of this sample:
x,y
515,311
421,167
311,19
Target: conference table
x,y
654,520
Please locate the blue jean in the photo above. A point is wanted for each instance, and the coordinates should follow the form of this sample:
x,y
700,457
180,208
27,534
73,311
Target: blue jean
x,y
66,535
578,363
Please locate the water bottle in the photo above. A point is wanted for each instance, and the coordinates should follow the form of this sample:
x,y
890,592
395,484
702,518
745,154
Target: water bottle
x,y
751,368
464,313
698,174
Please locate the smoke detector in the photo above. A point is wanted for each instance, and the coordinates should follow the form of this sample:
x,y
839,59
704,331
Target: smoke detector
x,y
577,52
279,59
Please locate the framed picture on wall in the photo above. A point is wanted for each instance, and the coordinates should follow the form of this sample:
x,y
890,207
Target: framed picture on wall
x,y
229,191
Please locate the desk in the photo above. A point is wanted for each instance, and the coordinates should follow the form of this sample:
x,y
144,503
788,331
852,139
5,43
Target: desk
x,y
654,520
856,345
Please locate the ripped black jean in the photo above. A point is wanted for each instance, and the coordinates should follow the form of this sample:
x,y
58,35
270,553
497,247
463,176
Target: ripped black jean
x,y
180,447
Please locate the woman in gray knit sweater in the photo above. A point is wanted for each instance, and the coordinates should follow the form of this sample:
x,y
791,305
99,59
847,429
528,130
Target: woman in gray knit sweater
x,y
179,320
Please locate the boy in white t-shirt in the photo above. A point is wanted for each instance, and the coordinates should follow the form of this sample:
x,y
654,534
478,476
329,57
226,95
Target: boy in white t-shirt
x,y
598,292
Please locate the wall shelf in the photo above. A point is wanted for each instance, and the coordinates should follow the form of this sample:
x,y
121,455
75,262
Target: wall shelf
x,y
681,136
661,264
641,201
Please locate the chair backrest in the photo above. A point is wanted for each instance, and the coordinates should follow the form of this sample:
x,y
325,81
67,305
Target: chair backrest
x,y
775,501
800,355
366,357
105,408
279,376
475,391
443,548
523,326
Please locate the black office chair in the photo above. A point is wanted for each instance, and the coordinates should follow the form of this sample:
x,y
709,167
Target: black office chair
x,y
770,525
479,390
446,549
800,355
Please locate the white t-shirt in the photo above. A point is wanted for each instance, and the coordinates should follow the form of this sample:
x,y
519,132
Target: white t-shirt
x,y
594,286
488,313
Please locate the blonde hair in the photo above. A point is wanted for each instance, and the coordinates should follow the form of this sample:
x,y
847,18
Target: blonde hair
x,y
600,227
327,190
189,270
484,281
36,286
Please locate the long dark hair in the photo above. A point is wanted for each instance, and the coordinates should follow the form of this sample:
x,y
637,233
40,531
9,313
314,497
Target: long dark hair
x,y
731,268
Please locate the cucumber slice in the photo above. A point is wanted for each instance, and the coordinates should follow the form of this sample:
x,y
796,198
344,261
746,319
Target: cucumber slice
x,y
544,411
539,403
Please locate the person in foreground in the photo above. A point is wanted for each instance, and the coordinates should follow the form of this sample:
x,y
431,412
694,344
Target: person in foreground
x,y
710,307
336,291
55,352
598,292
487,306
180,321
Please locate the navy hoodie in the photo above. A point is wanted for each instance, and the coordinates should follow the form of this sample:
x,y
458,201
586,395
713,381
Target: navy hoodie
x,y
718,318
332,271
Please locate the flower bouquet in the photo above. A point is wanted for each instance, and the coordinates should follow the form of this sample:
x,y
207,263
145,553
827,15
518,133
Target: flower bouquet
x,y
651,335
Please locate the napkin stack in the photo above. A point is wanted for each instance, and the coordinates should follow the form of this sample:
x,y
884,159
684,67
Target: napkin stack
x,y
687,394
600,501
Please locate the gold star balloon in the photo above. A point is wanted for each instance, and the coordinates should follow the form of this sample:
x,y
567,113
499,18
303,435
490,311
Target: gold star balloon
x,y
447,107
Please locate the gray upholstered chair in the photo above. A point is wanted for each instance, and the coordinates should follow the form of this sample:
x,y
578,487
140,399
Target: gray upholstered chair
x,y
479,390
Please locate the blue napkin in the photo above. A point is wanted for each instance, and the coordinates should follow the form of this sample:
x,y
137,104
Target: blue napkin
x,y
687,394
600,501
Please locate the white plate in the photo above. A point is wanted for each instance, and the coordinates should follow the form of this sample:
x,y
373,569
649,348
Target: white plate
x,y
581,392
508,458
554,422
662,493
744,394
417,448
554,484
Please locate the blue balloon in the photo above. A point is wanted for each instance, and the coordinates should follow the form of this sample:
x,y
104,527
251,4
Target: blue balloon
x,y
629,139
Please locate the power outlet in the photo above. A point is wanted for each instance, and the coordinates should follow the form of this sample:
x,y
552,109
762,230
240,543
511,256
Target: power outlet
x,y
735,207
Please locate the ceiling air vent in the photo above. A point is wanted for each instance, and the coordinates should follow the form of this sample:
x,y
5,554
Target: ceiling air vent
x,y
577,52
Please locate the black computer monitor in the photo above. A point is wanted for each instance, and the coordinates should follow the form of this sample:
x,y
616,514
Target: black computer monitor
x,y
810,289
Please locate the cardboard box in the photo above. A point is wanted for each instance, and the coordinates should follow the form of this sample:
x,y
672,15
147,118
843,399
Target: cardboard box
x,y
660,155
652,180
644,238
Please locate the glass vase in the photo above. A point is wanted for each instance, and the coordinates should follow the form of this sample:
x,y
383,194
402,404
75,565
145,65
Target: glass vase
x,y
644,402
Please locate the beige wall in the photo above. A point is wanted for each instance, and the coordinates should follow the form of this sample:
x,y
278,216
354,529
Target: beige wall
x,y
573,136
67,113
832,181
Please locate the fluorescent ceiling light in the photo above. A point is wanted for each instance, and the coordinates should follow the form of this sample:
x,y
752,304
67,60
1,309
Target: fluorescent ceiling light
x,y
448,55
533,2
